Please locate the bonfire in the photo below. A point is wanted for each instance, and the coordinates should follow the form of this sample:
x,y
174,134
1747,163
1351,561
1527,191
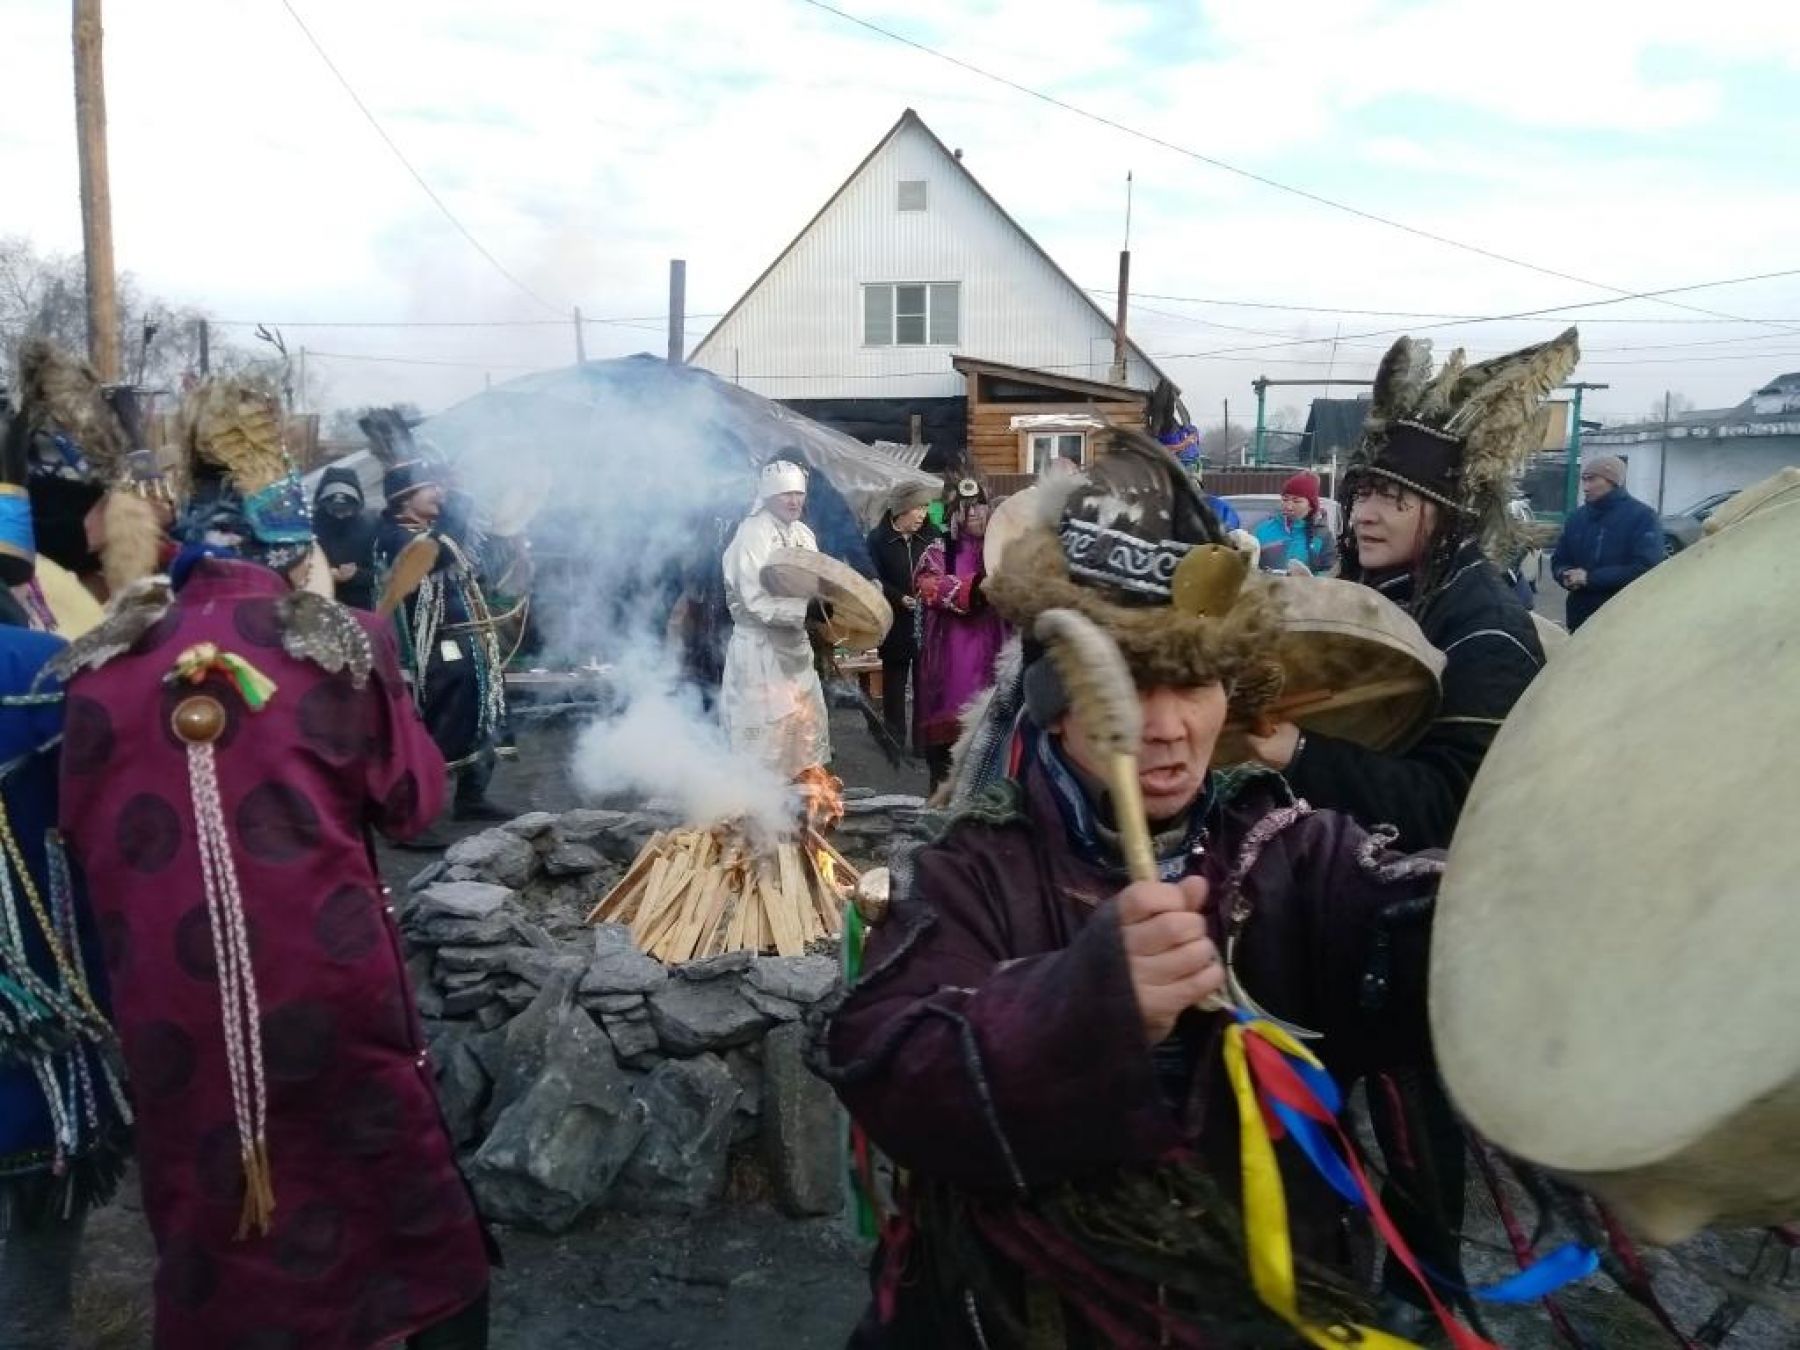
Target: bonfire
x,y
703,891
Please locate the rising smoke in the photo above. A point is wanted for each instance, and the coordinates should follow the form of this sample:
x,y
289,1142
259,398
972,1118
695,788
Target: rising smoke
x,y
643,469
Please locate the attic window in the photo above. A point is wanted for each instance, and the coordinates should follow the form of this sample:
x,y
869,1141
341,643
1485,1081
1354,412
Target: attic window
x,y
912,194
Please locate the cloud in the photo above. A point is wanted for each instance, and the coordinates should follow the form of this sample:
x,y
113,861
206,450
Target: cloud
x,y
587,145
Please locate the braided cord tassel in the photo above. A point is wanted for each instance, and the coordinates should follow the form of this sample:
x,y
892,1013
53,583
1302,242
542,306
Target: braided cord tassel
x,y
237,990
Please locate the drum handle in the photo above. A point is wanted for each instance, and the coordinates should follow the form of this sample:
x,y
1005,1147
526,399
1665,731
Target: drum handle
x,y
1315,701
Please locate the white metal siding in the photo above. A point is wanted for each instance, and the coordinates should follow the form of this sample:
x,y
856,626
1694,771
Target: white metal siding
x,y
799,334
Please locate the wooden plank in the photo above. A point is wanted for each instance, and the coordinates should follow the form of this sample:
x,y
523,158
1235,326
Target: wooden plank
x,y
634,875
653,890
784,912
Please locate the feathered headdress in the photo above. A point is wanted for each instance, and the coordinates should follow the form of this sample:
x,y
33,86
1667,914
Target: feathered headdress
x,y
1460,435
246,489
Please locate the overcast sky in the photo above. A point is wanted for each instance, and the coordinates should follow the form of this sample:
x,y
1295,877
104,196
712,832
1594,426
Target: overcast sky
x,y
1636,143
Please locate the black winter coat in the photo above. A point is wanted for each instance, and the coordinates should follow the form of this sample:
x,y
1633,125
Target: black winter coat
x,y
895,555
1491,653
1615,540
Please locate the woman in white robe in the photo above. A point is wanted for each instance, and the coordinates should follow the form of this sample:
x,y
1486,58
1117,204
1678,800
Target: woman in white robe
x,y
770,702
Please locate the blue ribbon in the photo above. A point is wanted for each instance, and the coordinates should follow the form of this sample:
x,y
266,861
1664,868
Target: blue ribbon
x,y
15,522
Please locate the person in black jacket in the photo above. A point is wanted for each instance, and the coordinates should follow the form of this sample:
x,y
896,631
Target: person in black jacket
x,y
1426,500
895,547
1608,543
347,534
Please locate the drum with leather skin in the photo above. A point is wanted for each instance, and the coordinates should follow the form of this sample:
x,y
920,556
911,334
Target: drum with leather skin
x,y
860,614
1613,993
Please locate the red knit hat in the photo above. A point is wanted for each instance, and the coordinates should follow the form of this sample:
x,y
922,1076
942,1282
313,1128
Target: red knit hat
x,y
1305,485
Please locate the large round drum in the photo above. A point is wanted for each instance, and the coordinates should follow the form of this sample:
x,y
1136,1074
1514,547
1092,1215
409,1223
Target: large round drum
x,y
860,615
1009,521
1354,665
1613,987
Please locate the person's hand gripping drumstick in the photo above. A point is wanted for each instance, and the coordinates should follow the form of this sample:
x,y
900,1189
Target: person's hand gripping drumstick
x,y
1174,963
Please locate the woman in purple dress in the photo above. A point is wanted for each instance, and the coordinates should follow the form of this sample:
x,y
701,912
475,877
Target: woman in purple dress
x,y
963,634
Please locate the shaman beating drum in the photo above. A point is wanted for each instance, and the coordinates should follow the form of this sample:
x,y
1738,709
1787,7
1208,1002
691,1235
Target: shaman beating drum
x,y
1354,665
1613,993
860,615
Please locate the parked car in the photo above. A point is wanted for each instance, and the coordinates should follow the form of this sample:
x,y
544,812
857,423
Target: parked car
x,y
1682,529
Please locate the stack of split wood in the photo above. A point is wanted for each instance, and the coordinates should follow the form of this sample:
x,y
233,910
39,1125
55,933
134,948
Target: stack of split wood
x,y
694,893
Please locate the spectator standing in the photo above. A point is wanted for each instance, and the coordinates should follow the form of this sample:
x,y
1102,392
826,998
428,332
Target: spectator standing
x,y
1610,541
895,546
1299,533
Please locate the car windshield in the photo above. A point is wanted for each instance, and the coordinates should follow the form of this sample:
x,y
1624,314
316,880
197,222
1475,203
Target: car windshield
x,y
1703,508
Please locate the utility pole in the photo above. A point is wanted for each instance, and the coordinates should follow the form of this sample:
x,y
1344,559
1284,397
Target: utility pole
x,y
205,348
1572,483
300,394
96,193
1662,457
580,339
677,311
1225,439
1117,373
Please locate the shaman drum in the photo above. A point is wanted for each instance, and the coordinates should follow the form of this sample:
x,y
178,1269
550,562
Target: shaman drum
x,y
1354,665
860,616
1613,995
74,610
1012,518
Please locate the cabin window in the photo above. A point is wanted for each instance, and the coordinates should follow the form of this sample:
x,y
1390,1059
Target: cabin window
x,y
912,194
911,314
1042,448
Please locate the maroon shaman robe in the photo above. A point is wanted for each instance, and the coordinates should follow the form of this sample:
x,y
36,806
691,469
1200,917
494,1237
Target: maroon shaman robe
x,y
374,1235
995,1044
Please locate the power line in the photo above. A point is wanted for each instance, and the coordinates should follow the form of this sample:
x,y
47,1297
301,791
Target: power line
x,y
1408,313
655,323
1252,176
418,178
422,361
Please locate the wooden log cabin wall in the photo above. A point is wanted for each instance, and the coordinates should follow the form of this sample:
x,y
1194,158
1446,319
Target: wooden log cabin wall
x,y
1010,405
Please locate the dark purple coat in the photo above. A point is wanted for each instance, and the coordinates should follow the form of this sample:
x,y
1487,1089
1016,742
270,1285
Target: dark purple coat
x,y
375,1235
994,1041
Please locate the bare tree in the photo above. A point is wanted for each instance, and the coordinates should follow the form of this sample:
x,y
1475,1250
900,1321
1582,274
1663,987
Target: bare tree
x,y
44,295
1678,404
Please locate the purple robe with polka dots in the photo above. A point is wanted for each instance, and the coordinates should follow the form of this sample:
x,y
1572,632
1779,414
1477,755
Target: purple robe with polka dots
x,y
374,1235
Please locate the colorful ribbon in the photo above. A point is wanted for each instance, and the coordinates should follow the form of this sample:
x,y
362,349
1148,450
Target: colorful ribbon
x,y
1283,1091
203,658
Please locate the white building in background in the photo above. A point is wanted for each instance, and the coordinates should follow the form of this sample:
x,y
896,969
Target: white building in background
x,y
1705,452
909,264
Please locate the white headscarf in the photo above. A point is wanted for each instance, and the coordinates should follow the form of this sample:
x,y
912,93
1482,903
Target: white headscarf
x,y
779,476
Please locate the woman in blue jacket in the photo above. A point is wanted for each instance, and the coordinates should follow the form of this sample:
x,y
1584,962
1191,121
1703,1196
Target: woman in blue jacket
x,y
1300,533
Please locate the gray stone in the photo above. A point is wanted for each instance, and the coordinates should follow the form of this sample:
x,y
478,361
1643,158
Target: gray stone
x,y
679,1167
517,995
497,855
619,967
691,1018
800,979
464,899
492,1016
862,806
556,1150
536,965
485,960
452,981
531,825
635,1041
776,1009
460,873
425,876
463,1088
534,936
800,1129
748,1072
614,1004
436,928
712,967
473,999
619,835
572,860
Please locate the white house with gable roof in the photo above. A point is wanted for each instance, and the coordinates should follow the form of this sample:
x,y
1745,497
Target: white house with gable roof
x,y
910,264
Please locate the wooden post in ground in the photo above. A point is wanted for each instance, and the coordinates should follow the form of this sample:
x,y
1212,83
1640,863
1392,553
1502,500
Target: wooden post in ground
x,y
580,339
677,311
96,193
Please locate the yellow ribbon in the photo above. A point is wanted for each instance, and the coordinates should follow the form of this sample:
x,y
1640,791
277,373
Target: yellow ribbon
x,y
1266,1238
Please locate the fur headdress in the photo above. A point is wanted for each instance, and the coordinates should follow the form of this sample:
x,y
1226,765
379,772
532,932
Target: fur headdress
x,y
1134,548
82,441
1460,435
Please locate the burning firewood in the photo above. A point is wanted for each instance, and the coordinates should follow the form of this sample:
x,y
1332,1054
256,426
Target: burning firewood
x,y
695,892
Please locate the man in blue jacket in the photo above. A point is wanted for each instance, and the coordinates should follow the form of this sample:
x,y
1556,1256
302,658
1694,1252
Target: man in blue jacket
x,y
1607,544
